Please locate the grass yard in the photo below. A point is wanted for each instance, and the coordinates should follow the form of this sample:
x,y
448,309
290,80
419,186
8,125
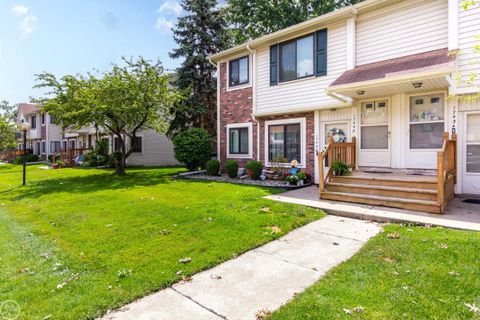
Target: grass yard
x,y
427,273
75,243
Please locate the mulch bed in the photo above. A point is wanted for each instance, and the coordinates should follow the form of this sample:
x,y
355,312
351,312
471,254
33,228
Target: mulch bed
x,y
247,181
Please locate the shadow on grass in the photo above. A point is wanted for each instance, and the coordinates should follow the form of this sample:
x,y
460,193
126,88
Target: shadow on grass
x,y
88,184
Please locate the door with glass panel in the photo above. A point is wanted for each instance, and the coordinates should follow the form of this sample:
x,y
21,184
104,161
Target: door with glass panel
x,y
426,128
374,148
471,174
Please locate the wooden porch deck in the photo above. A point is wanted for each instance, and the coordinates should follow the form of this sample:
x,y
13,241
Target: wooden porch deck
x,y
411,189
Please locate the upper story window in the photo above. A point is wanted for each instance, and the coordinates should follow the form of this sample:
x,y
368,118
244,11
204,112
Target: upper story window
x,y
299,58
42,117
52,119
238,71
34,122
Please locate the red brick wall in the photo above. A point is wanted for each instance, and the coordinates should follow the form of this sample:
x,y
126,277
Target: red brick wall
x,y
309,141
235,107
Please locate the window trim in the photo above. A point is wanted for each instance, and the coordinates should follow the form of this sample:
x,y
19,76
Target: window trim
x,y
33,123
249,126
250,71
303,137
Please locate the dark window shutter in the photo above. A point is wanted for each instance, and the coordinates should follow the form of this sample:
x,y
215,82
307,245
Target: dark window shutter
x,y
321,53
274,65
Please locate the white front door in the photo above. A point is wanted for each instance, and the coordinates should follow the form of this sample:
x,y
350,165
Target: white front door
x,y
471,151
426,128
374,150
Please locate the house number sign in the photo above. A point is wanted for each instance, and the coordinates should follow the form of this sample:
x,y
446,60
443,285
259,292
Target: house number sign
x,y
454,119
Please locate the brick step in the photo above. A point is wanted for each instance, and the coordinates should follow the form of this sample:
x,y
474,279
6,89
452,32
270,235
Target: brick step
x,y
393,202
384,191
415,183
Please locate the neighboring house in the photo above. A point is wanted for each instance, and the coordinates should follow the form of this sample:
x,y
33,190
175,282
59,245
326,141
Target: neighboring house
x,y
378,71
45,138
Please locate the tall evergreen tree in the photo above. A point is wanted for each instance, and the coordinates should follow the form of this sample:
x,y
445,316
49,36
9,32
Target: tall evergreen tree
x,y
250,19
201,32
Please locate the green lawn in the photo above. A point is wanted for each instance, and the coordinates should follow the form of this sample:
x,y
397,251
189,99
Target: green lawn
x,y
75,243
427,273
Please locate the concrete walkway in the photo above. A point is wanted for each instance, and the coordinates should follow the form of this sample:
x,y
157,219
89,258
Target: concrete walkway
x,y
264,278
458,215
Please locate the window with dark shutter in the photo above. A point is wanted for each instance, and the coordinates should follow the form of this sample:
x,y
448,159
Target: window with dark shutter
x,y
298,58
321,53
238,72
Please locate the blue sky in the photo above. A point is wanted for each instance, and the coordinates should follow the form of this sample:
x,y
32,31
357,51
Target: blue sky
x,y
76,36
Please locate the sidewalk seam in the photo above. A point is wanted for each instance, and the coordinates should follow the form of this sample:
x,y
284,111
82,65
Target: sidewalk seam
x,y
199,304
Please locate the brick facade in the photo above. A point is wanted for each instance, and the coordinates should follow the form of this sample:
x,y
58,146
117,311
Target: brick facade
x,y
236,106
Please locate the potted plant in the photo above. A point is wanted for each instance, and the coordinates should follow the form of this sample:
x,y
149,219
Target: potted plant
x,y
292,179
341,168
254,169
301,178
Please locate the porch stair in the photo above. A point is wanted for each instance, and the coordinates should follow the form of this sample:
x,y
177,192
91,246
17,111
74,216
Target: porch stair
x,y
410,194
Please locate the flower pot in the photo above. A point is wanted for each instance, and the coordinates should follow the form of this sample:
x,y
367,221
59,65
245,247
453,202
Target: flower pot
x,y
55,166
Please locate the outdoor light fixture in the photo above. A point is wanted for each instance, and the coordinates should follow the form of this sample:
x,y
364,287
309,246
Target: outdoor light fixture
x,y
25,127
360,92
417,85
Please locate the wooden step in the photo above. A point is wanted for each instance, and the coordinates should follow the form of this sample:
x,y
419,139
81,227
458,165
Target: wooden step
x,y
384,191
427,184
393,202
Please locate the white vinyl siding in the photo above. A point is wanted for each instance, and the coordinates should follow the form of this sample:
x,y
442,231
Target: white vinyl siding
x,y
407,28
157,150
469,27
302,94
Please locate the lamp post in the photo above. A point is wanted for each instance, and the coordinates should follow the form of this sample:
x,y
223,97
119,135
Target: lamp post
x,y
25,127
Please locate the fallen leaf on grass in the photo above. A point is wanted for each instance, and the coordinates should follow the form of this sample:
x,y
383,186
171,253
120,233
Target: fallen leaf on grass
x,y
262,314
215,277
185,260
265,209
393,235
347,311
472,307
453,273
443,246
388,260
274,229
358,309
187,278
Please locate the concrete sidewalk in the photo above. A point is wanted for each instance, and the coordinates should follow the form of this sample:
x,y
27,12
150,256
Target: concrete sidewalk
x,y
458,215
264,278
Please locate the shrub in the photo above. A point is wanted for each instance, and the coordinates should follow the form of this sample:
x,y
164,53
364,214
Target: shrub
x,y
213,167
192,147
255,168
50,158
292,179
30,158
341,168
231,166
301,176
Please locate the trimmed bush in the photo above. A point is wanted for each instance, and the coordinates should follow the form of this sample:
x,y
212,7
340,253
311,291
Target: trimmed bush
x,y
30,158
213,167
256,169
192,147
231,167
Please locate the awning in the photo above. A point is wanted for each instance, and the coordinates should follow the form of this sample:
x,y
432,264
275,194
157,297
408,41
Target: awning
x,y
409,74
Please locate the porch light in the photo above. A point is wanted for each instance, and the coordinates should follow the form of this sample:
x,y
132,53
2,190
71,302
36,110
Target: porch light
x,y
360,92
417,85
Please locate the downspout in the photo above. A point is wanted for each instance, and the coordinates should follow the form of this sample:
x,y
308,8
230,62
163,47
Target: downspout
x,y
254,98
218,107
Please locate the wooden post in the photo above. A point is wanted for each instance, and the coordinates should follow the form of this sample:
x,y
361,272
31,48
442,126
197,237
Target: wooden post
x,y
354,153
440,180
330,152
321,179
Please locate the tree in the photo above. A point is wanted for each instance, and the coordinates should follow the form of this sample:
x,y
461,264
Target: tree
x,y
8,129
10,110
251,19
121,102
202,31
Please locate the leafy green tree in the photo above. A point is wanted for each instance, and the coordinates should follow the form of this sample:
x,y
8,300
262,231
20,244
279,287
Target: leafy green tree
x,y
202,31
251,19
123,101
10,110
8,128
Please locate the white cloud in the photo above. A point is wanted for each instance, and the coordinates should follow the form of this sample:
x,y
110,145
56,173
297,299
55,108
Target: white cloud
x,y
163,24
28,24
171,6
19,10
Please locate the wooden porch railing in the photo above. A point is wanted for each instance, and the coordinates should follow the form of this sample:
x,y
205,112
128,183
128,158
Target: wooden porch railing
x,y
68,156
446,170
335,151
